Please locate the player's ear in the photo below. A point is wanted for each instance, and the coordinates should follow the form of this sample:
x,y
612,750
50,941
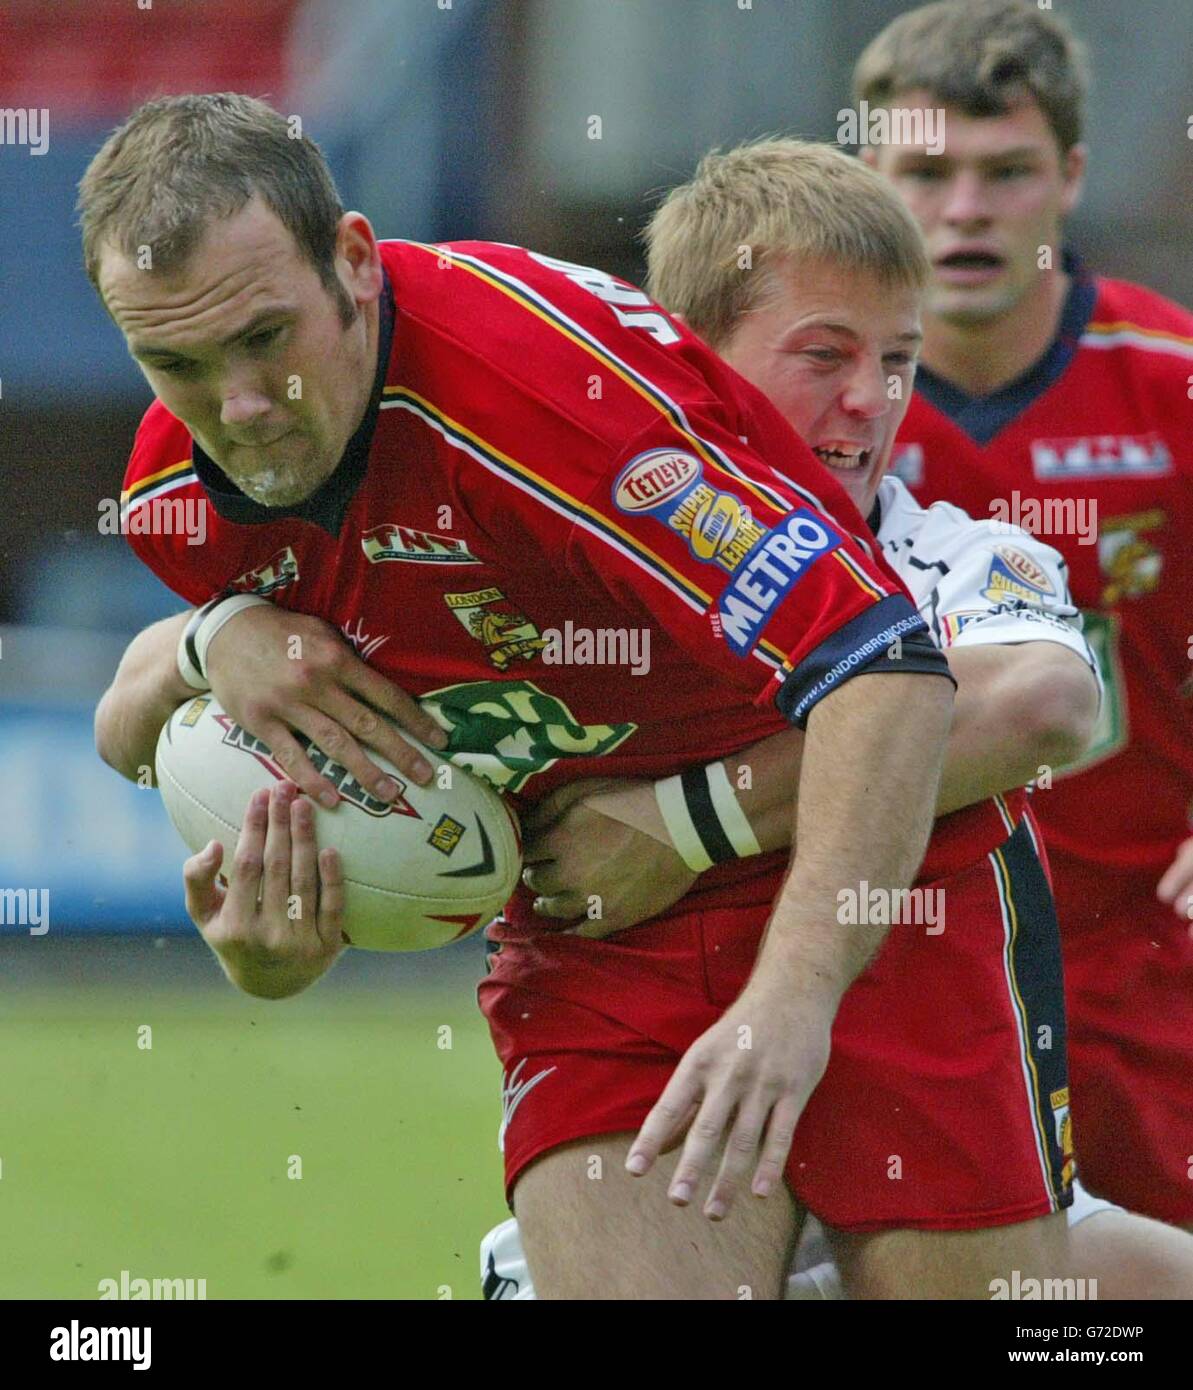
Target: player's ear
x,y
1073,166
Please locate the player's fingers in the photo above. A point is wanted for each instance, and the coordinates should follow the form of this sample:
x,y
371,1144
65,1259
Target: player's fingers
x,y
332,895
543,878
343,725
1178,877
291,757
667,1120
564,907
244,886
275,891
706,1134
304,869
777,1145
203,895
392,700
739,1159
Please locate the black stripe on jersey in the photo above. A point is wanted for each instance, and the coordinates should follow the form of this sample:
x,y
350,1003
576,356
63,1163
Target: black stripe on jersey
x,y
1035,961
861,646
696,793
927,564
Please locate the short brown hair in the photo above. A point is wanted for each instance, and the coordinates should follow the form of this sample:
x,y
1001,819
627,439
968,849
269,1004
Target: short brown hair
x,y
983,57
180,163
776,199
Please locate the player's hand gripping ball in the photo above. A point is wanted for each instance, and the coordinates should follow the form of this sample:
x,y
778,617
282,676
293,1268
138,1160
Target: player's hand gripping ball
x,y
431,866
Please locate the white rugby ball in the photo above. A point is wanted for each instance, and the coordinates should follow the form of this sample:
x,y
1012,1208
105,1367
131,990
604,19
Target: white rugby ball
x,y
429,867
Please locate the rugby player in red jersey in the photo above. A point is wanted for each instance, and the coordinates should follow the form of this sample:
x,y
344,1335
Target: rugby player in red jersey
x,y
819,335
331,402
1059,399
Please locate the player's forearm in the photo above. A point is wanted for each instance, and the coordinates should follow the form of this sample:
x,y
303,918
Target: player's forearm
x,y
1017,708
871,768
1020,709
144,693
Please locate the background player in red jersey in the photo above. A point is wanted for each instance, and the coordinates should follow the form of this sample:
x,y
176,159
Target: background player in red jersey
x,y
1059,399
249,291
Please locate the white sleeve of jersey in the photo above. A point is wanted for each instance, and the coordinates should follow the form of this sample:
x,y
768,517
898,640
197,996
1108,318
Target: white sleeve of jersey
x,y
978,582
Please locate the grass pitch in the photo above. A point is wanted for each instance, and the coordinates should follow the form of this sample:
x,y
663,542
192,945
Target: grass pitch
x,y
176,1160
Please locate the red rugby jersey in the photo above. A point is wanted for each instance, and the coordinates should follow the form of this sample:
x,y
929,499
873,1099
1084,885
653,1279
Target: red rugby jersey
x,y
1096,439
564,522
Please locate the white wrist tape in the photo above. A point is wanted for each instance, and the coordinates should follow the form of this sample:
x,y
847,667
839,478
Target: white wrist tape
x,y
702,815
197,636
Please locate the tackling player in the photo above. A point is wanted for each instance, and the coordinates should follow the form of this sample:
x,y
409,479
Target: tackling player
x,y
818,335
1060,398
460,447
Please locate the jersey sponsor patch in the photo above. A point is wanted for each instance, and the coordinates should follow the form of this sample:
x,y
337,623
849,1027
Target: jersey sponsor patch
x,y
1101,456
1014,574
507,731
768,573
952,625
278,571
669,484
1130,563
655,478
1063,1121
393,542
506,634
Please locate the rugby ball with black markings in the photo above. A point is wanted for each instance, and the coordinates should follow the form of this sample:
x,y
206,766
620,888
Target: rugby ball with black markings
x,y
430,867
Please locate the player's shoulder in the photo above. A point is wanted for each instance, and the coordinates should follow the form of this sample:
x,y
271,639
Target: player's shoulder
x,y
161,452
943,532
1132,319
906,522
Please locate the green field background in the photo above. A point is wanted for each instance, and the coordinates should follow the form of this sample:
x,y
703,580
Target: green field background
x,y
172,1162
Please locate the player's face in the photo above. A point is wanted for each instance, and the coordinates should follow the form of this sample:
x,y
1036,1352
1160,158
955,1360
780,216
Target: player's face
x,y
987,205
246,346
835,351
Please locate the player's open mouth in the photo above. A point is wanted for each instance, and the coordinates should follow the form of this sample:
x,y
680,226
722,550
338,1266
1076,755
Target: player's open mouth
x,y
969,266
846,459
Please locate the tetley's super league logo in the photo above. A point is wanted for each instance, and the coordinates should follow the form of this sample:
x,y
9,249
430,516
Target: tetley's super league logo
x,y
765,563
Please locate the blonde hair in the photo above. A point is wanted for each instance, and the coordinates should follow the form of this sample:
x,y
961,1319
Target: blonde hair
x,y
712,239
981,56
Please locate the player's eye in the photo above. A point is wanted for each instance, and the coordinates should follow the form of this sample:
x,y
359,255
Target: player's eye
x,y
924,173
174,368
826,355
265,338
901,359
1012,171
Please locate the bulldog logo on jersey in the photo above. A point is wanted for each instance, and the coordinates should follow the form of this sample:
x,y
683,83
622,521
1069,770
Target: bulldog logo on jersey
x,y
1063,1123
1130,563
506,634
1014,574
278,571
